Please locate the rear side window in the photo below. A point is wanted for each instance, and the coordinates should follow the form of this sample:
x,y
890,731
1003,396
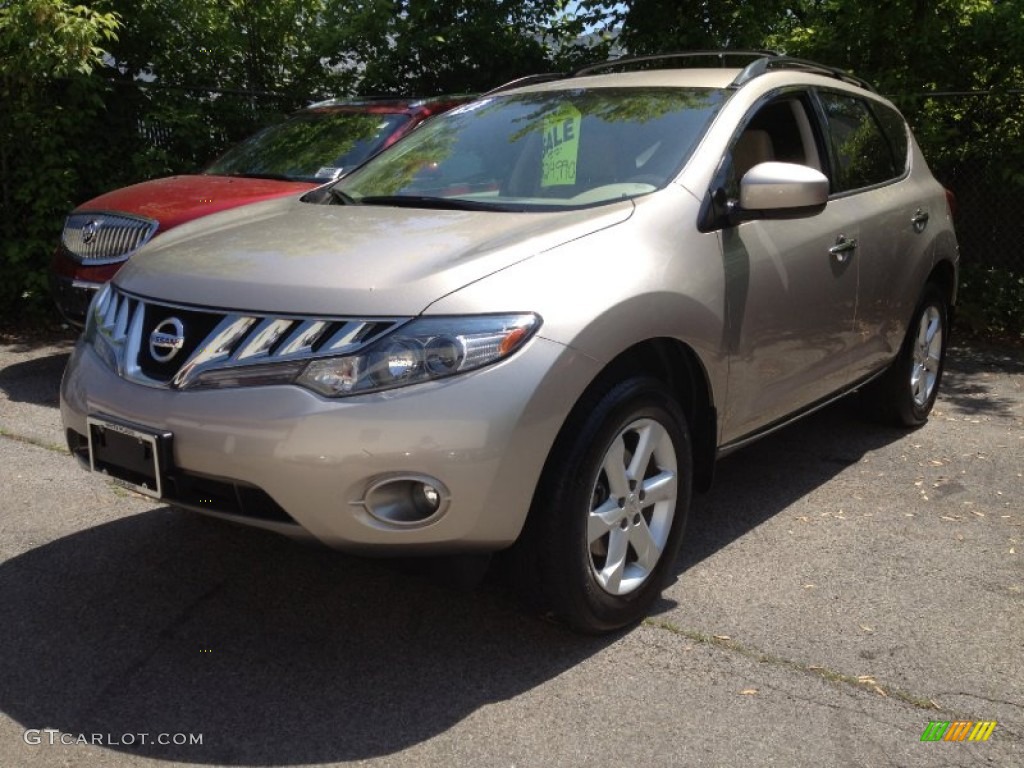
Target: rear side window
x,y
863,157
896,131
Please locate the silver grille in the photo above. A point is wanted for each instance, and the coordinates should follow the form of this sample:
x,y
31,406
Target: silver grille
x,y
103,238
239,346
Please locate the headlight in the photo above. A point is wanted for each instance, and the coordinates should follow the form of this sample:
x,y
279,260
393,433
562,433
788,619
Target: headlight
x,y
424,350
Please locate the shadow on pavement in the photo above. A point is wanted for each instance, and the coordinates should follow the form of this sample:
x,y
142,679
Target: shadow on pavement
x,y
35,381
757,482
278,653
754,484
965,384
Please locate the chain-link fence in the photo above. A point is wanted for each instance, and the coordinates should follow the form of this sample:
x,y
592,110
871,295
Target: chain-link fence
x,y
187,127
975,146
989,212
974,143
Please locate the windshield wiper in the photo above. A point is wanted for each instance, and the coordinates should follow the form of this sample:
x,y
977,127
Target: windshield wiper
x,y
341,197
425,201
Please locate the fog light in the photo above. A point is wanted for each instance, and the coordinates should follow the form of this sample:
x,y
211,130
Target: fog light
x,y
406,500
431,497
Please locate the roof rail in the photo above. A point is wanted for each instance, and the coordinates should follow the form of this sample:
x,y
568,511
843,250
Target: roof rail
x,y
764,61
543,77
721,55
777,61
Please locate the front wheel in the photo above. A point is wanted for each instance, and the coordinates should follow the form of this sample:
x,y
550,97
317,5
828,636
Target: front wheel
x,y
608,516
904,394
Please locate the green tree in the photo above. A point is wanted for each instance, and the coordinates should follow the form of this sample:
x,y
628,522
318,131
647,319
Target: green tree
x,y
279,46
49,50
202,75
656,26
424,47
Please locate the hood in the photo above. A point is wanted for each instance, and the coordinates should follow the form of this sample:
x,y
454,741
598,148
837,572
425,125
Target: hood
x,y
286,256
177,199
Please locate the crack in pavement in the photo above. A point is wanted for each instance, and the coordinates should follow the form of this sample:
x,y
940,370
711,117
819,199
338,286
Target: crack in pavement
x,y
863,682
124,679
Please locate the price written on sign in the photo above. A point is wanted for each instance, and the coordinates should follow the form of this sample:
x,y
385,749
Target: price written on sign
x,y
561,147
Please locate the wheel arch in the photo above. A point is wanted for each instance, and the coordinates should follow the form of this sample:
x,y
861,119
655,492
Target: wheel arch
x,y
535,559
944,276
680,368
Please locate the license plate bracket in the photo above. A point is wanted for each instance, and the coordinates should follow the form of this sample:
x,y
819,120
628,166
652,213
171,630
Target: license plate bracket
x,y
134,456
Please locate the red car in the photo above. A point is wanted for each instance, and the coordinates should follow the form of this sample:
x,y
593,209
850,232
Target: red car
x,y
314,146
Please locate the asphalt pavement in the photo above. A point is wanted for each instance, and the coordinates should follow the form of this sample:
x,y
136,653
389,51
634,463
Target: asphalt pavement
x,y
842,586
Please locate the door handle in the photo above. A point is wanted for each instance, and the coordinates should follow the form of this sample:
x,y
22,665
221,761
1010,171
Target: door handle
x,y
920,221
843,249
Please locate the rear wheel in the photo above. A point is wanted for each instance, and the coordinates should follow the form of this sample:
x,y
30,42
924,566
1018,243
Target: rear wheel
x,y
904,394
609,513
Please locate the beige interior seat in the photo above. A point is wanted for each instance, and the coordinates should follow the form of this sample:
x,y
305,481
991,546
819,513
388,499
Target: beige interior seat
x,y
754,146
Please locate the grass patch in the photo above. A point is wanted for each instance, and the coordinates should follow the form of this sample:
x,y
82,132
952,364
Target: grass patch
x,y
34,441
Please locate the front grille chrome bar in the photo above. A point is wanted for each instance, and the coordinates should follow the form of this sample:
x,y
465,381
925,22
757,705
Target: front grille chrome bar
x,y
237,341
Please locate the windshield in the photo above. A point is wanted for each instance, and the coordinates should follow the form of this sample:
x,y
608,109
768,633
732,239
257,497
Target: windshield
x,y
315,146
539,150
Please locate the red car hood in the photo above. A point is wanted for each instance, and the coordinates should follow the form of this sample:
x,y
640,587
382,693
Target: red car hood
x,y
177,199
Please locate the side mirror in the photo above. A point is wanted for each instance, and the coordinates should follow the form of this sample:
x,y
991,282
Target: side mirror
x,y
780,191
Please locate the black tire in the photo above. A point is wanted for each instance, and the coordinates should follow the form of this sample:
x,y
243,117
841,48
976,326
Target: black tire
x,y
904,395
569,557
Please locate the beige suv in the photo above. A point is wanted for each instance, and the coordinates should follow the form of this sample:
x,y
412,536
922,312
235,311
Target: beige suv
x,y
535,323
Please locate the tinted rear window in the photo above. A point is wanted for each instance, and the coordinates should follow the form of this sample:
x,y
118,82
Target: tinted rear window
x,y
862,154
896,131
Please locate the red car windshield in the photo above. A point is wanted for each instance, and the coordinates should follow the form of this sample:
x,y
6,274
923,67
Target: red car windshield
x,y
315,146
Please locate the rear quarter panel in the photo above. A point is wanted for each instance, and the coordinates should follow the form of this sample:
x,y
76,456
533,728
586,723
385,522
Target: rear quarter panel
x,y
896,261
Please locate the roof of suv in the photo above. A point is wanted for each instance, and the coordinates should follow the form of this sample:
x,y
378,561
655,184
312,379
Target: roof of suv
x,y
686,69
704,78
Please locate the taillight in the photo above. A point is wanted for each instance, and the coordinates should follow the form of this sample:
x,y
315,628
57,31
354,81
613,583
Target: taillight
x,y
951,202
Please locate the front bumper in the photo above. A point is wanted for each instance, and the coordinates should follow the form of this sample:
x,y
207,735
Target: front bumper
x,y
73,285
72,297
284,458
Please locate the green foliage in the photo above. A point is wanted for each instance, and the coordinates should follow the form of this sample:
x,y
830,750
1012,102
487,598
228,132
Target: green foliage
x,y
656,26
50,39
49,50
286,47
991,301
425,47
